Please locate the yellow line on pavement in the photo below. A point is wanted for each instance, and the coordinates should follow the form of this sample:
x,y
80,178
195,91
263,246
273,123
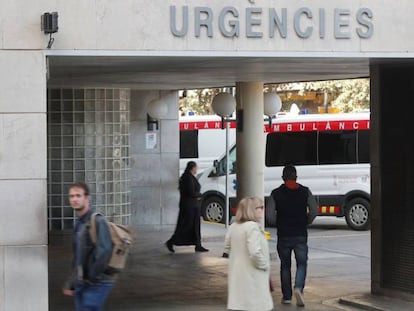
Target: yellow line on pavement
x,y
212,223
267,233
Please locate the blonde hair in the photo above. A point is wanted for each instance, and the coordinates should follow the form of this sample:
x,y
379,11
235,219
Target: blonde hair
x,y
246,209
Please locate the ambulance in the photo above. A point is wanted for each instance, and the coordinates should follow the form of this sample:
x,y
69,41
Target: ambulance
x,y
330,152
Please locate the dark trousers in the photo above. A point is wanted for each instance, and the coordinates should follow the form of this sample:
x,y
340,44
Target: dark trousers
x,y
285,246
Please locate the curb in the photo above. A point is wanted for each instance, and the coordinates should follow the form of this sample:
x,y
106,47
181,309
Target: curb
x,y
359,305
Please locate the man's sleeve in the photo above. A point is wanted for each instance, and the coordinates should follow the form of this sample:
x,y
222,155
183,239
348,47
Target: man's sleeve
x,y
103,248
313,207
71,280
271,211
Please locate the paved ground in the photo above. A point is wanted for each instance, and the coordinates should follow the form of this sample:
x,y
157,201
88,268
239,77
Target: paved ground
x,y
157,280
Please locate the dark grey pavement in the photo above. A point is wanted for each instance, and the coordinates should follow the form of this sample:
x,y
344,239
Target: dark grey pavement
x,y
339,264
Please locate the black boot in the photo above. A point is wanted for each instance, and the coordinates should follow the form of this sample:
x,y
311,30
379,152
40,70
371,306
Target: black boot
x,y
170,246
201,249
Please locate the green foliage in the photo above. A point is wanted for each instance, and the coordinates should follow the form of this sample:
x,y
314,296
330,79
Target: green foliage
x,y
350,95
347,95
198,101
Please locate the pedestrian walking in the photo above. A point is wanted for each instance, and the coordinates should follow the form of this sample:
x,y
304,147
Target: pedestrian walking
x,y
187,231
296,208
91,281
249,259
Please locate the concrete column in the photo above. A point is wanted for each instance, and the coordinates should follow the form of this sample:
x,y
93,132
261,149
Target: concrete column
x,y
250,140
23,152
376,208
392,173
154,172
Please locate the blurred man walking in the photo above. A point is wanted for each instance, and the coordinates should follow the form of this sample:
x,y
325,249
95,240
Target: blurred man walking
x,y
296,208
90,282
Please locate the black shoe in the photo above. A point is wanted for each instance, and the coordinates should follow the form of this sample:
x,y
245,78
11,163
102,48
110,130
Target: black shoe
x,y
201,249
170,246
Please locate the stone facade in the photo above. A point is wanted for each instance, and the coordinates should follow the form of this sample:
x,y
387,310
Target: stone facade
x,y
23,233
154,172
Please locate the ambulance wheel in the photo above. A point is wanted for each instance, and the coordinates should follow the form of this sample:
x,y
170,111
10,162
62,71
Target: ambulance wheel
x,y
357,214
213,209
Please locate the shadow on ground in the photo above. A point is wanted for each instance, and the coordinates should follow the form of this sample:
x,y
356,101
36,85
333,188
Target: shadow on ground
x,y
158,280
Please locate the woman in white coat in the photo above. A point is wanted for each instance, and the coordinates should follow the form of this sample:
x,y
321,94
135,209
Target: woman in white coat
x,y
249,260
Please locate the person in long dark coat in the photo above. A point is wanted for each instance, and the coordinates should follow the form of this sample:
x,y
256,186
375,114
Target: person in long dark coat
x,y
187,231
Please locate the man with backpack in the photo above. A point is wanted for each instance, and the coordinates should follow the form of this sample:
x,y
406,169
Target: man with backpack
x,y
296,208
91,279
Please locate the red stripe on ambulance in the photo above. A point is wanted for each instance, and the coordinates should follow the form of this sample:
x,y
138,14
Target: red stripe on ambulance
x,y
313,126
309,126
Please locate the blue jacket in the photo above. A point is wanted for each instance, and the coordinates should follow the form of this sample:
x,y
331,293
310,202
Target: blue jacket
x,y
90,261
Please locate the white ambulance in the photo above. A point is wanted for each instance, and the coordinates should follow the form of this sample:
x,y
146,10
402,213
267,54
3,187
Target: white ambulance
x,y
203,140
331,154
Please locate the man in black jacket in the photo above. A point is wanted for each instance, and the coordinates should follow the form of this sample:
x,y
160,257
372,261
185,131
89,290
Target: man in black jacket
x,y
90,282
296,208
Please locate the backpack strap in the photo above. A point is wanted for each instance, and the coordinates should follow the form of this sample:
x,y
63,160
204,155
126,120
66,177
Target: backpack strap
x,y
92,227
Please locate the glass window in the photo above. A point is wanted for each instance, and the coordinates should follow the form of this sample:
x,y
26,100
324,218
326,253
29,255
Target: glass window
x,y
291,148
363,146
222,164
188,144
337,147
232,163
232,157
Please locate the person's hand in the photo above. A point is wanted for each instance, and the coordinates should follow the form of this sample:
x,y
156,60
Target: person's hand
x,y
67,292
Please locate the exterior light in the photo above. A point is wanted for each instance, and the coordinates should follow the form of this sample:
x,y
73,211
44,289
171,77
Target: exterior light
x,y
224,104
272,105
157,109
49,22
49,25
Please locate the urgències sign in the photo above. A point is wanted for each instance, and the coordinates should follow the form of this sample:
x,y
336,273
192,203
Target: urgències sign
x,y
259,22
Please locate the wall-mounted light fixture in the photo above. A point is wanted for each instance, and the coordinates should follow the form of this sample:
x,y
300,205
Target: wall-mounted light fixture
x,y
49,25
157,109
152,123
223,104
272,105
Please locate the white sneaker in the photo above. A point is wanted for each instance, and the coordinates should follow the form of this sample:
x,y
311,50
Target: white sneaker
x,y
300,300
286,301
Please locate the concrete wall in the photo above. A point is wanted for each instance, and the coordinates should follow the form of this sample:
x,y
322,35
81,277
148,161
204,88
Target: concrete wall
x,y
154,172
392,166
145,25
23,219
376,210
